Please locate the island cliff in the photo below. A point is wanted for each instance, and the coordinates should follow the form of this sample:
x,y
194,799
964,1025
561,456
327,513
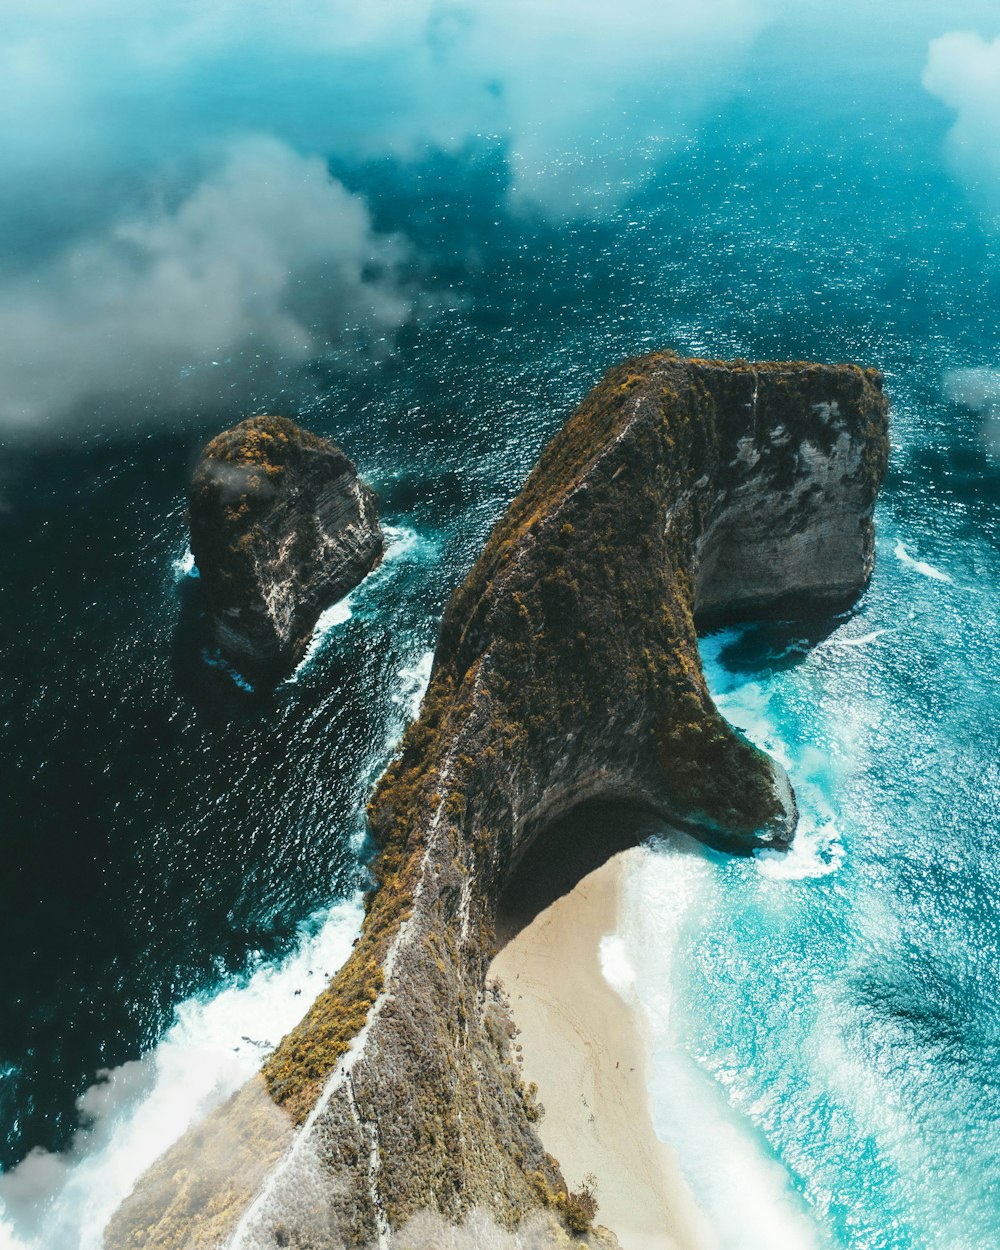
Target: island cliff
x,y
281,527
567,670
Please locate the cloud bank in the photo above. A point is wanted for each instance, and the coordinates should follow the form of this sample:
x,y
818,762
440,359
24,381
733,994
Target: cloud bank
x,y
963,71
585,93
979,391
125,285
267,262
158,258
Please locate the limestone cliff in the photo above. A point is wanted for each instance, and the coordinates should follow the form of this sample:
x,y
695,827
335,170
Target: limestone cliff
x,y
281,527
567,669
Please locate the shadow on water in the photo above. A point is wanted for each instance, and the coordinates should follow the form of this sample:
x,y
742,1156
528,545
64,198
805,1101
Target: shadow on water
x,y
213,688
764,648
969,474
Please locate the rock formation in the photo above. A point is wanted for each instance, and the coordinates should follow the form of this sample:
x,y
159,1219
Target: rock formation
x,y
281,527
567,669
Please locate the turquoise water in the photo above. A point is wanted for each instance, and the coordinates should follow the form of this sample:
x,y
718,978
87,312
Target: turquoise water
x,y
426,231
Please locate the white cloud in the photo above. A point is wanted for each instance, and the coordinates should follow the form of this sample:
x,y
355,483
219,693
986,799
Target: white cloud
x,y
963,71
118,282
268,258
978,390
593,94
586,93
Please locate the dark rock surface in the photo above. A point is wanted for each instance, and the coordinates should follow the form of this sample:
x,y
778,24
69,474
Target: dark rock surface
x,y
281,528
567,670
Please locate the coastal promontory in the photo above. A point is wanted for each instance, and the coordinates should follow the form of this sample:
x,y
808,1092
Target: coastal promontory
x,y
281,528
567,670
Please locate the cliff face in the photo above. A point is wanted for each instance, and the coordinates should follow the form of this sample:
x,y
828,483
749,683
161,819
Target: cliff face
x,y
567,669
281,527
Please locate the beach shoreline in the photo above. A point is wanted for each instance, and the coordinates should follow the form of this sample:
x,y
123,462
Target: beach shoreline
x,y
585,1047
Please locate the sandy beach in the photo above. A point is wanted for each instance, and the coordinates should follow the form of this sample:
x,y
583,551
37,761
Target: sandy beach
x,y
584,1047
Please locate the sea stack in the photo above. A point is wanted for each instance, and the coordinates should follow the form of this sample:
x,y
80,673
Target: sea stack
x,y
281,528
567,670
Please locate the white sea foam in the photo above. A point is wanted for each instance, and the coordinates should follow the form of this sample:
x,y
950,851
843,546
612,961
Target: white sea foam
x,y
184,566
63,1201
818,848
616,967
337,614
414,679
746,1195
861,640
402,545
920,566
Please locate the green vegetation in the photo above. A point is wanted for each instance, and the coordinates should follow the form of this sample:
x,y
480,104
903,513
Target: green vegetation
x,y
576,1210
616,564
297,1069
231,494
267,442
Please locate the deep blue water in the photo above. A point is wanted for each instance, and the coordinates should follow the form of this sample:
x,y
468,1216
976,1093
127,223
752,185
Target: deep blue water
x,y
426,232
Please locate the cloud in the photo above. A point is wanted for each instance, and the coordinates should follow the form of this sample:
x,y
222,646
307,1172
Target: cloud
x,y
963,71
267,263
978,390
29,1193
594,95
158,258
587,95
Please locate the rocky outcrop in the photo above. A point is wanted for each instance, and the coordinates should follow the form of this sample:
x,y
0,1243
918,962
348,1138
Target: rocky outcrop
x,y
567,669
281,528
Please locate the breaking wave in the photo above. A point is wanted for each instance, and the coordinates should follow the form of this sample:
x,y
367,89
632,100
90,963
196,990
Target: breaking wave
x,y
134,1112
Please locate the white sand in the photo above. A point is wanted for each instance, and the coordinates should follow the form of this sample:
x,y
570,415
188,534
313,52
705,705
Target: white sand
x,y
584,1047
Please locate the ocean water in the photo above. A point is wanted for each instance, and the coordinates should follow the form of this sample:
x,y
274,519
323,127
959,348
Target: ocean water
x,y
426,230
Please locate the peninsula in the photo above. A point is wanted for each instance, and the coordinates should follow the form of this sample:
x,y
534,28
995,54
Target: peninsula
x,y
567,670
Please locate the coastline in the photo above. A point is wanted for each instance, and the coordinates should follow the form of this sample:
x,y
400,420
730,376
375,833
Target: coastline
x,y
585,1048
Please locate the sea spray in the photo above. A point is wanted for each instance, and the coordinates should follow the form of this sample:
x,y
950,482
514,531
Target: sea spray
x,y
744,1193
217,1041
414,680
403,546
184,566
337,614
